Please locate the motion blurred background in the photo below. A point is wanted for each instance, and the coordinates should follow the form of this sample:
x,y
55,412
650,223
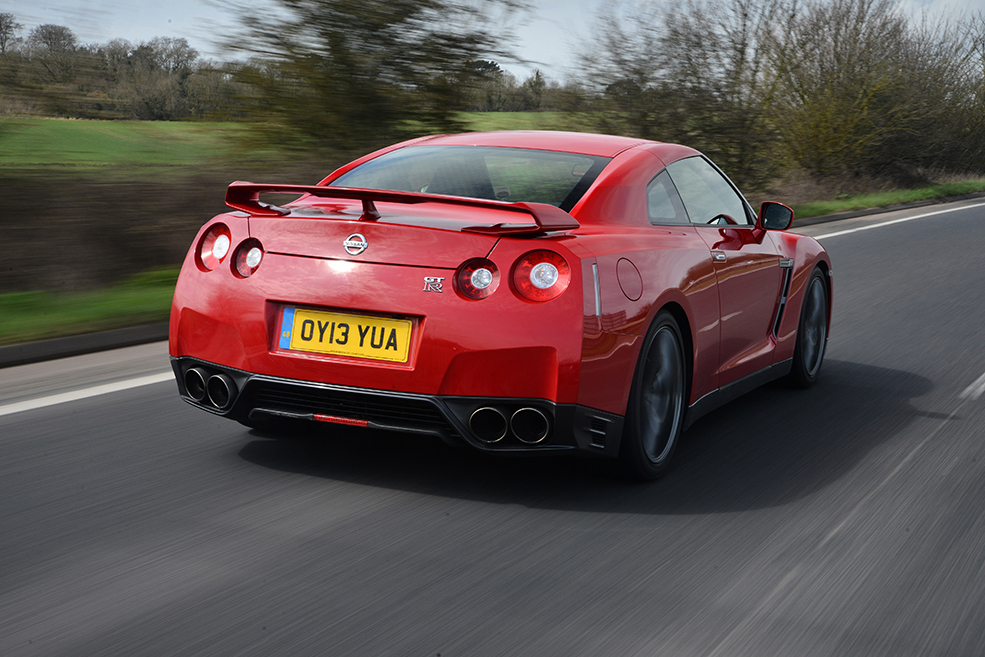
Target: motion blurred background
x,y
114,151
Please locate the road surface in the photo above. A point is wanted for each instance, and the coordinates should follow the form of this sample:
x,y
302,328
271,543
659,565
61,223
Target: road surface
x,y
845,520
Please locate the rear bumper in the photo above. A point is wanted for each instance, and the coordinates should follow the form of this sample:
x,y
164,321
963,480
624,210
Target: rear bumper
x,y
489,424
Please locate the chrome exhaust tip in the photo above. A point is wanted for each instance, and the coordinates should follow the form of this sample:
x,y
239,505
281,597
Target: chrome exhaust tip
x,y
530,425
221,391
195,384
488,424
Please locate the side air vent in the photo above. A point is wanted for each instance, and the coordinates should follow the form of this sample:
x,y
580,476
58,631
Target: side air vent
x,y
598,427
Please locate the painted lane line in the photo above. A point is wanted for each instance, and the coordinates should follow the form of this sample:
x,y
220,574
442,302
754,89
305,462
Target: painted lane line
x,y
975,390
897,221
85,393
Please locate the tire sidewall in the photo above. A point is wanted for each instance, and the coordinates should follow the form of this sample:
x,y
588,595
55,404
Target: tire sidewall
x,y
799,374
632,454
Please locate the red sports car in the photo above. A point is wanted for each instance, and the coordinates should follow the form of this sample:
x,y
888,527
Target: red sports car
x,y
513,291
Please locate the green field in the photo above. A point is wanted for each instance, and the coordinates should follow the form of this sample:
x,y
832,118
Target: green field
x,y
33,143
518,121
61,142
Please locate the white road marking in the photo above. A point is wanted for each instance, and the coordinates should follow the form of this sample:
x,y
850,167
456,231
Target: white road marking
x,y
896,221
85,393
975,390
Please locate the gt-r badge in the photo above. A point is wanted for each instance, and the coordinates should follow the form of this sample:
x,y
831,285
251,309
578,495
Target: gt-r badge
x,y
355,244
433,284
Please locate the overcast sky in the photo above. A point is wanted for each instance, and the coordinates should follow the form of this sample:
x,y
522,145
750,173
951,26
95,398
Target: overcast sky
x,y
549,36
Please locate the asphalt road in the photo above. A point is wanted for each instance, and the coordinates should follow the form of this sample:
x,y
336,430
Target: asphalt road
x,y
844,520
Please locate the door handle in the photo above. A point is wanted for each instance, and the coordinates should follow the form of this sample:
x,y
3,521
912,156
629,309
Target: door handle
x,y
719,256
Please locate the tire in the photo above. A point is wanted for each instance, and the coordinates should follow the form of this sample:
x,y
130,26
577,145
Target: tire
x,y
657,400
812,332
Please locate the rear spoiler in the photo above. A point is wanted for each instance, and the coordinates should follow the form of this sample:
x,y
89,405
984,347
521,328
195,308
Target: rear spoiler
x,y
245,196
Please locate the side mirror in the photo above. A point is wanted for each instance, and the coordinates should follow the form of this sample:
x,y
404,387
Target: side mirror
x,y
774,216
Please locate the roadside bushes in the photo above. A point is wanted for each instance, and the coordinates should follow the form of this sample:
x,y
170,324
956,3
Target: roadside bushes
x,y
835,88
79,231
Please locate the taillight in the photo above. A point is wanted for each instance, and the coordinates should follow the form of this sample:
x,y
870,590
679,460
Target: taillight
x,y
541,275
248,257
477,279
214,247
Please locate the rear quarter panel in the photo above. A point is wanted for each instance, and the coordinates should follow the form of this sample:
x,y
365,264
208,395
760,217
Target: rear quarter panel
x,y
642,269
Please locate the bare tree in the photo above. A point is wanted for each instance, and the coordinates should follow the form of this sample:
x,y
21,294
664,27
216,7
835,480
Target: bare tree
x,y
694,73
173,55
9,28
52,49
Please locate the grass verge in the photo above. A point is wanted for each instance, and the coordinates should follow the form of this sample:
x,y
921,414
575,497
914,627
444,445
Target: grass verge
x,y
885,199
144,299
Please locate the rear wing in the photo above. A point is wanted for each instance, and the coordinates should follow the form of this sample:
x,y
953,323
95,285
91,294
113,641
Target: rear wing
x,y
245,196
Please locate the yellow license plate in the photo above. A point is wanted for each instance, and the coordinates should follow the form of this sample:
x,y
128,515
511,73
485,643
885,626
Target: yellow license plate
x,y
341,334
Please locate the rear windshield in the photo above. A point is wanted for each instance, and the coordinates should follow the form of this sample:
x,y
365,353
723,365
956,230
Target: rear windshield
x,y
503,174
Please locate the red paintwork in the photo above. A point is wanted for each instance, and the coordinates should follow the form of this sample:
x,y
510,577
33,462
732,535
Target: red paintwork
x,y
504,345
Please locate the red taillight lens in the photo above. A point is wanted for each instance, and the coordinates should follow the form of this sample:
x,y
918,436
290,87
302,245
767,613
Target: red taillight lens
x,y
248,257
214,247
541,275
477,279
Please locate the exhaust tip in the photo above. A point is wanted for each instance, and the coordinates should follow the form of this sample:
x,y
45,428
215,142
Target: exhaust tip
x,y
488,424
530,425
195,384
221,391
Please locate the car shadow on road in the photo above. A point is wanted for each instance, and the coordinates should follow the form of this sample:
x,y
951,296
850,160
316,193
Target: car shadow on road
x,y
771,447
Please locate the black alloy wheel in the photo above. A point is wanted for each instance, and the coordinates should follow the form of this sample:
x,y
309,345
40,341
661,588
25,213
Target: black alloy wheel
x,y
812,332
655,413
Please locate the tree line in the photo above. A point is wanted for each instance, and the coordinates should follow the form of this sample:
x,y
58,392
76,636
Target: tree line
x,y
829,87
832,87
48,72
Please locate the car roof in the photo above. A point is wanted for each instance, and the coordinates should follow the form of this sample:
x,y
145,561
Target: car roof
x,y
545,140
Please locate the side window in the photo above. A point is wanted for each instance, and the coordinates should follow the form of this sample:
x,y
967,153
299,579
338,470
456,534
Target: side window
x,y
663,203
706,193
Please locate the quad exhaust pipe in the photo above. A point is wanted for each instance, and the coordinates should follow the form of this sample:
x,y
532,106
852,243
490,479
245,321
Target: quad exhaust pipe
x,y
217,390
195,383
488,424
221,391
529,425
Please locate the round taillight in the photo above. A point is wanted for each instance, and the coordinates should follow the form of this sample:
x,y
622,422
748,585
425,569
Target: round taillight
x,y
248,257
477,279
214,247
541,275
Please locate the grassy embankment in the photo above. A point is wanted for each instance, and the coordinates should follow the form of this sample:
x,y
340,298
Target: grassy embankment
x,y
144,299
156,150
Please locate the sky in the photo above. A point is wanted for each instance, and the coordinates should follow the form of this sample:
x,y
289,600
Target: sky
x,y
549,37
